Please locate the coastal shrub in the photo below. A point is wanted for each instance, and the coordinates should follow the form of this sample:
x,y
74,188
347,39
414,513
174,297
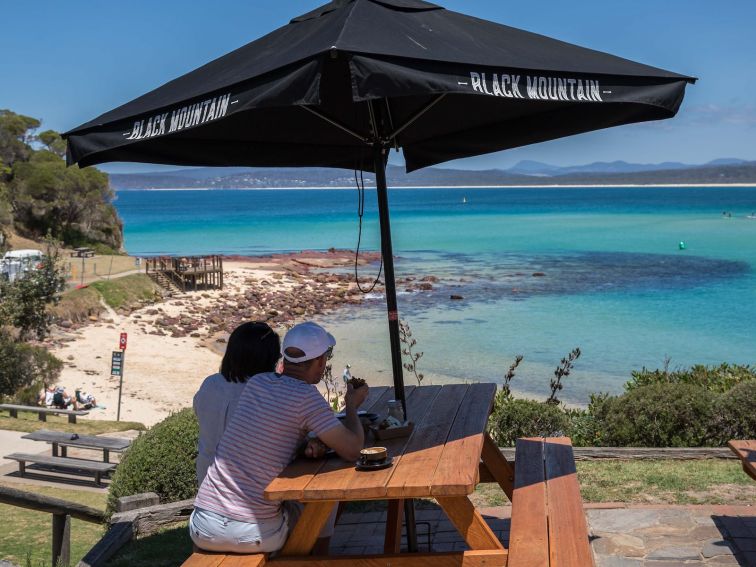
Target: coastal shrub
x,y
735,414
513,418
77,305
162,460
655,415
715,378
24,368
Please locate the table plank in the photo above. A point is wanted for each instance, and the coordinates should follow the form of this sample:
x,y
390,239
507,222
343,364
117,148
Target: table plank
x,y
413,475
528,537
83,441
204,559
568,532
338,479
484,558
457,470
372,484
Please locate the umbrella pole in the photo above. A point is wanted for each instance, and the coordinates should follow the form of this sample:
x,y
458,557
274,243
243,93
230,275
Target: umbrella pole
x,y
393,316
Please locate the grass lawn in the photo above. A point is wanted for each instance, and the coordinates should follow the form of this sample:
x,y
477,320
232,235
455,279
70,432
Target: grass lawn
x,y
27,534
29,422
711,481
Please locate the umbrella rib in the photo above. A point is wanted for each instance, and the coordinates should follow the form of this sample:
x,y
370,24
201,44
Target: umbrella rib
x,y
416,116
349,131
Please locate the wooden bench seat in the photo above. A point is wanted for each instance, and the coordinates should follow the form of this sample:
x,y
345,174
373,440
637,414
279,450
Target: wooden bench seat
x,y
548,522
43,412
96,467
746,452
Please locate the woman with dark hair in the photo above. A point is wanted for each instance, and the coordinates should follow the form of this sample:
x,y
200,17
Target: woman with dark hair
x,y
252,348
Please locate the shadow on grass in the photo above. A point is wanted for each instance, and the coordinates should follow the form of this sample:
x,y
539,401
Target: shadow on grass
x,y
168,548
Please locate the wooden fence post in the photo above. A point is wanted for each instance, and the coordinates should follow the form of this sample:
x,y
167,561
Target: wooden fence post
x,y
61,539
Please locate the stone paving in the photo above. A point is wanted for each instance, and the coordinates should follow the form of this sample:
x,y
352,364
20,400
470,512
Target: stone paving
x,y
621,536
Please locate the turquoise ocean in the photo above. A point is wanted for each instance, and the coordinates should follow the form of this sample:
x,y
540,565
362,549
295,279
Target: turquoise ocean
x,y
615,282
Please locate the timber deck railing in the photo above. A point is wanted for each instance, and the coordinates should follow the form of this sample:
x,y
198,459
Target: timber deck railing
x,y
188,273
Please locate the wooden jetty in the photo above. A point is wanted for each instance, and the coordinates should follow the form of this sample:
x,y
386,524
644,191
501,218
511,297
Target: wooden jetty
x,y
187,273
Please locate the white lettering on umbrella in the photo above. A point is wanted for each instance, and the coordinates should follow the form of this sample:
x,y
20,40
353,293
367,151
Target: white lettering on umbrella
x,y
537,87
180,118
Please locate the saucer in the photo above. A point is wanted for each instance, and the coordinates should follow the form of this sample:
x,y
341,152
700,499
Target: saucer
x,y
360,466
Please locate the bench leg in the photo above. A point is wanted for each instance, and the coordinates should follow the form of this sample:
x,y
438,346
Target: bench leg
x,y
392,541
13,413
42,416
71,418
64,451
22,468
98,478
54,449
469,523
105,456
498,466
305,533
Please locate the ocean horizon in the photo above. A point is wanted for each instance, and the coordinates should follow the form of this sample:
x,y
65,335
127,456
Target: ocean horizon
x,y
634,276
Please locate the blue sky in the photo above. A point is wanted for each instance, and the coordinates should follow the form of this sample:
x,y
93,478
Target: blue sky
x,y
67,62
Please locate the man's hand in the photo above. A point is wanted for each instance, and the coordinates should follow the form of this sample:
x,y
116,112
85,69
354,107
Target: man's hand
x,y
315,449
355,396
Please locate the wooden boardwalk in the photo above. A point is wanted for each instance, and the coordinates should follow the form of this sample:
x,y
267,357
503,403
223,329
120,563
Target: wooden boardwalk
x,y
187,273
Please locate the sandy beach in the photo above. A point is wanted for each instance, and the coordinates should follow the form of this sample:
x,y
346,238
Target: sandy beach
x,y
175,343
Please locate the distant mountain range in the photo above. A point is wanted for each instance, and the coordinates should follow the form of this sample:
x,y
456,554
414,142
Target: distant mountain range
x,y
528,173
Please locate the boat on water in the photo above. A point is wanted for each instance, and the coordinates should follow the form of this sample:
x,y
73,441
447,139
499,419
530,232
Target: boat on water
x,y
464,200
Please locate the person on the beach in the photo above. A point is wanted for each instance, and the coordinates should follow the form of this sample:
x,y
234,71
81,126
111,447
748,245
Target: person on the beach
x,y
252,348
62,399
272,421
46,395
84,399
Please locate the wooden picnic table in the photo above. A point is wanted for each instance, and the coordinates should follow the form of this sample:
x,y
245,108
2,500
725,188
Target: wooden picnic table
x,y
63,440
746,452
445,457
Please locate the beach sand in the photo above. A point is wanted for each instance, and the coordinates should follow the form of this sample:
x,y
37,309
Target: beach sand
x,y
174,344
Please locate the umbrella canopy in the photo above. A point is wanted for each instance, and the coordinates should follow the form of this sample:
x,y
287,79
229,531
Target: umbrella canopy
x,y
343,84
444,86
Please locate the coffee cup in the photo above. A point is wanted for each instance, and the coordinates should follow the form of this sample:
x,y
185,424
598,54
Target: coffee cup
x,y
373,455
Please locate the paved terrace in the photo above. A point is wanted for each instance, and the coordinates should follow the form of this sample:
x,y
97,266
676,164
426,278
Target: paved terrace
x,y
622,536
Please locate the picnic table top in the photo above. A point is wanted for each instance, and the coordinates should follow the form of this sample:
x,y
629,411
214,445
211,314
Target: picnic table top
x,y
746,451
82,441
440,458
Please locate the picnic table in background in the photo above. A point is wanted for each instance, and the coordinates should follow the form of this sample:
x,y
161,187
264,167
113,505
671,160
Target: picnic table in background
x,y
746,452
65,440
82,253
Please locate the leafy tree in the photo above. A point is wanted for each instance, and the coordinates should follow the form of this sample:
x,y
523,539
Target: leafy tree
x,y
24,368
23,302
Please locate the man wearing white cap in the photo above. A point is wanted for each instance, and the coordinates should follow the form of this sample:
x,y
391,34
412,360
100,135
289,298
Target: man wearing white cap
x,y
273,418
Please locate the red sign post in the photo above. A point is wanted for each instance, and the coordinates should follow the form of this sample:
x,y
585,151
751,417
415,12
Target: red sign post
x,y
118,363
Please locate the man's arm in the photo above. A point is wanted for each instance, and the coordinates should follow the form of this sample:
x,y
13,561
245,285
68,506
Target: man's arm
x,y
348,439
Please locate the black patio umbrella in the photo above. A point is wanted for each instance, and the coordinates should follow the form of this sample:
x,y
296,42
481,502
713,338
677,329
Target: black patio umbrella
x,y
342,85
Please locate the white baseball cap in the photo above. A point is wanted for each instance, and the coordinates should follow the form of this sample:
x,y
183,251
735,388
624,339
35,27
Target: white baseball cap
x,y
312,339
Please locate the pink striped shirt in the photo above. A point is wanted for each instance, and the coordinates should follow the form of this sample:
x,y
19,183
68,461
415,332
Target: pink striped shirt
x,y
272,419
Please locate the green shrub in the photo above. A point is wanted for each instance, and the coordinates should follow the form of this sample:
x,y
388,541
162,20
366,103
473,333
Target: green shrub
x,y
715,378
162,460
23,369
656,415
513,418
735,414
